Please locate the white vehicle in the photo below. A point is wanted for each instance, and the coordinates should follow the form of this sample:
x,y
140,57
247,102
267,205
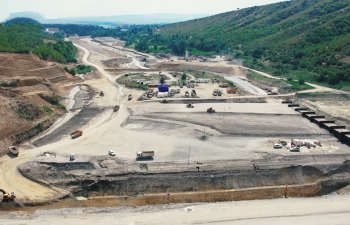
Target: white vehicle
x,y
144,154
111,153
277,146
295,149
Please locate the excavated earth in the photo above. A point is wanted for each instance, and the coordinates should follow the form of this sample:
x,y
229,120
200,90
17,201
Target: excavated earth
x,y
108,176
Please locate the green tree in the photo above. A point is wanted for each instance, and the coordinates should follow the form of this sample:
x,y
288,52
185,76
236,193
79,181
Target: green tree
x,y
162,80
301,81
183,76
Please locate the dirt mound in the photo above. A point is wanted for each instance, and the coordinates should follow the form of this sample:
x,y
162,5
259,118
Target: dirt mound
x,y
116,62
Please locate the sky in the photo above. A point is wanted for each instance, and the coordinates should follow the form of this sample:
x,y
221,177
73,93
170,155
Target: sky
x,y
52,9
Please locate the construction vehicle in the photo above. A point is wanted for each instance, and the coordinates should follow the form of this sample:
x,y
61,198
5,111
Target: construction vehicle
x,y
231,90
102,94
189,106
8,196
13,150
224,85
115,108
76,134
210,110
164,101
129,97
144,154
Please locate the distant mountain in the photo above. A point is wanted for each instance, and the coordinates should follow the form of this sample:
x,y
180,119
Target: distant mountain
x,y
118,19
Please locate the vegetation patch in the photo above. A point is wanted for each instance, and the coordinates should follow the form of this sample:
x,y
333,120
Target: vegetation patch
x,y
134,81
22,35
80,69
29,111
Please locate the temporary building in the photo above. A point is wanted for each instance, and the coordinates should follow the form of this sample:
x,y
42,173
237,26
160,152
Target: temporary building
x,y
162,94
163,88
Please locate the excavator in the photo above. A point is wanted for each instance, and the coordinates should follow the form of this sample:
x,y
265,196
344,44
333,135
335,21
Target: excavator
x,y
8,196
189,106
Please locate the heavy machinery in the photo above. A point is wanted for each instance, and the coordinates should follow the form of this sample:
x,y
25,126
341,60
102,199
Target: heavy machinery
x,y
210,110
164,101
102,94
224,85
193,94
76,134
231,90
189,106
144,154
115,108
13,150
8,196
129,97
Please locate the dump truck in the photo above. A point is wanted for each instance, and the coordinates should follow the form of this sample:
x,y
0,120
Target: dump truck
x,y
76,134
129,97
7,196
144,154
13,150
189,106
210,110
231,90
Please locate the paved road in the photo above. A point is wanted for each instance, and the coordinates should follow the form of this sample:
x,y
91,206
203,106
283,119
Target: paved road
x,y
322,210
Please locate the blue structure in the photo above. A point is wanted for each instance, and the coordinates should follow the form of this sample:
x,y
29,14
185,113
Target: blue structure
x,y
163,88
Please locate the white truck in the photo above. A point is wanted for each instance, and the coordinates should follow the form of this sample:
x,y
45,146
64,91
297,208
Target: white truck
x,y
144,154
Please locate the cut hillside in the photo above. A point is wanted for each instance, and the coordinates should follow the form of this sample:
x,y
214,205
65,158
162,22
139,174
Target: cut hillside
x,y
300,38
29,97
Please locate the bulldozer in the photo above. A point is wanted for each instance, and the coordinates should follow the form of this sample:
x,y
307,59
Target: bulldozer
x,y
189,106
8,196
164,101
210,110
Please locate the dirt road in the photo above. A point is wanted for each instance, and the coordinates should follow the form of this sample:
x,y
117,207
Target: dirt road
x,y
321,211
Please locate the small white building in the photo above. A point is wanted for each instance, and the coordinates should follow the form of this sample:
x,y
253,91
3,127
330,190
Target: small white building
x,y
52,30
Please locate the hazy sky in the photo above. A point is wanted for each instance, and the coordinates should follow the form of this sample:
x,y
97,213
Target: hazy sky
x,y
71,8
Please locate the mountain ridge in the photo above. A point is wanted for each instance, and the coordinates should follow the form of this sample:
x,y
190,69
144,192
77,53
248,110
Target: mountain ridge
x,y
118,19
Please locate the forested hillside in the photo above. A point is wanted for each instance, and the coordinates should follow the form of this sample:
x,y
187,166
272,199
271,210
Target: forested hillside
x,y
300,38
25,36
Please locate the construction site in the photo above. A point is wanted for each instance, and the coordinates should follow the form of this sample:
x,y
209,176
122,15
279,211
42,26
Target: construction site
x,y
143,129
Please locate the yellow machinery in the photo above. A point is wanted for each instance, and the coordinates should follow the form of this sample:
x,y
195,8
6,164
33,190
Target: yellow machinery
x,y
210,110
164,101
189,106
8,196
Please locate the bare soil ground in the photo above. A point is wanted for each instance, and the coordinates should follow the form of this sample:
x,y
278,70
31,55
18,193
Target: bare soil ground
x,y
237,132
